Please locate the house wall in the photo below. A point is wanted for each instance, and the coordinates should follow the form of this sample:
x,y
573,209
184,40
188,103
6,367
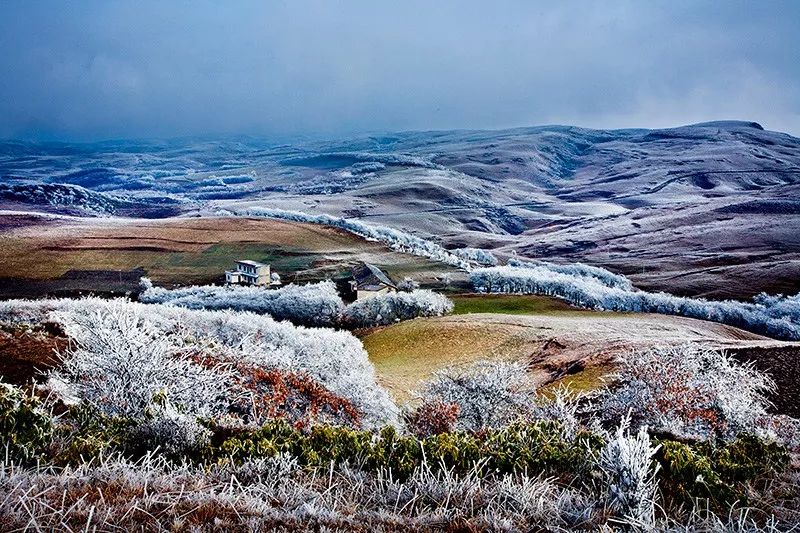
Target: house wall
x,y
361,293
262,274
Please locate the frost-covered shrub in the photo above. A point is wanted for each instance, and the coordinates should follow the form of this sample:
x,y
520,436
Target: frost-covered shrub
x,y
560,406
489,394
119,361
630,471
168,430
773,316
408,285
334,359
476,256
395,239
316,304
393,307
690,391
432,417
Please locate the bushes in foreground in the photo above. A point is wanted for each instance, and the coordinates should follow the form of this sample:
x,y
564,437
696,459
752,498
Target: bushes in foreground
x,y
25,427
532,447
124,353
516,477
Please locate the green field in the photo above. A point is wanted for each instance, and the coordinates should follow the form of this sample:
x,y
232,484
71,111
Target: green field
x,y
508,304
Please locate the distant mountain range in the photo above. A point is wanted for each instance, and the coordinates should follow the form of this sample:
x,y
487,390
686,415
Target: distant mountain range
x,y
709,208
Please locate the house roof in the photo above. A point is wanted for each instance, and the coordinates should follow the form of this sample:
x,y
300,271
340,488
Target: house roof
x,y
370,273
251,263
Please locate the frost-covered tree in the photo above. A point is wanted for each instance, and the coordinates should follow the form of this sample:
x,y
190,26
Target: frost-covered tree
x,y
408,285
119,361
489,394
773,316
314,304
393,307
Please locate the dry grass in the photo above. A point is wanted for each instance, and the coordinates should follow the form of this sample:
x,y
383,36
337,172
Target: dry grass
x,y
187,250
572,347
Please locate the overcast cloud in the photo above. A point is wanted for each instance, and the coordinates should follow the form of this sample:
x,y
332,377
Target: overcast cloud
x,y
85,70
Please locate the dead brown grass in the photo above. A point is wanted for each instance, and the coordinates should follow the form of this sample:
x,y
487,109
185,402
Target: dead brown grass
x,y
184,250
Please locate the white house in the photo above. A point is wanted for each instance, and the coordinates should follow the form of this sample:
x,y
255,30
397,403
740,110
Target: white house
x,y
251,273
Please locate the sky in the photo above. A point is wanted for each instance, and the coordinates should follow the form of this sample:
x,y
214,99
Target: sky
x,y
84,70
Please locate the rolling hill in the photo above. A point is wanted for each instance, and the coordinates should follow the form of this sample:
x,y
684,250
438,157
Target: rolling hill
x,y
708,209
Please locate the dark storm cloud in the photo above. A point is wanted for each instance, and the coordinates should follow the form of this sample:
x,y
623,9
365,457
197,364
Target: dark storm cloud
x,y
84,70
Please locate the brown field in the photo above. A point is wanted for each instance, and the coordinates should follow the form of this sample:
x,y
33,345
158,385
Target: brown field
x,y
44,255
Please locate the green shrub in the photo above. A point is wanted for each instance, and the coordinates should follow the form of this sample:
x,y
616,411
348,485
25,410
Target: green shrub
x,y
521,447
717,473
86,433
25,427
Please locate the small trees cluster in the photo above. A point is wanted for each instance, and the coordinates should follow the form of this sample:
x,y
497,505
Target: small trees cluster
x,y
580,270
314,304
393,307
777,317
476,256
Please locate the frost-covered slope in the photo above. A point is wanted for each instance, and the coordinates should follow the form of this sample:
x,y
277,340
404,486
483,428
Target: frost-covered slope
x,y
693,209
79,200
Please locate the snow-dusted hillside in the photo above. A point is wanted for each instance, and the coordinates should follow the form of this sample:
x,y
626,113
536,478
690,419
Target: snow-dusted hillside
x,y
709,208
79,200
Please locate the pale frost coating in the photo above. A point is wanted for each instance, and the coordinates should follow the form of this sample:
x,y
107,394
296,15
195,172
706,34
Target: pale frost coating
x,y
630,475
488,394
690,391
314,304
111,335
395,306
119,361
778,317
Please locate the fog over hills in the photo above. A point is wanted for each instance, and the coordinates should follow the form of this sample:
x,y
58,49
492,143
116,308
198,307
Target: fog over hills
x,y
708,209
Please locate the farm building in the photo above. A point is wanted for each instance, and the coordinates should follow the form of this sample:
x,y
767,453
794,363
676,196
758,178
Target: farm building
x,y
369,280
252,273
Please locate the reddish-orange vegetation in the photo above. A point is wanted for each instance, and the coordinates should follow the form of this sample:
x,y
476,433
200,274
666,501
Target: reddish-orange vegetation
x,y
432,417
25,355
296,397
292,396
